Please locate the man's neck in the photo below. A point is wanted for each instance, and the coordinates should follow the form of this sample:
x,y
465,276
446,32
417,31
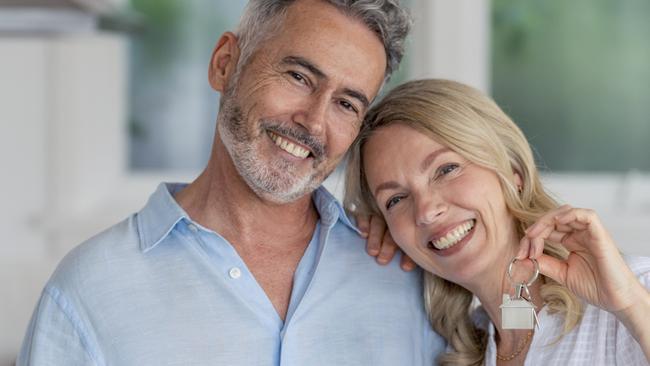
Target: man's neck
x,y
270,238
219,199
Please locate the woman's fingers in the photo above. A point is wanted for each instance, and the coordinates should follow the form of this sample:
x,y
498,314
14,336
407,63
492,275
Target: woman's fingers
x,y
567,228
380,243
557,236
529,250
580,219
547,220
376,230
557,226
543,230
524,248
363,224
406,263
536,247
552,267
388,249
587,221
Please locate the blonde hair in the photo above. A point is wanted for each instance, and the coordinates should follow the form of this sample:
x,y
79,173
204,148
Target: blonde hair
x,y
472,125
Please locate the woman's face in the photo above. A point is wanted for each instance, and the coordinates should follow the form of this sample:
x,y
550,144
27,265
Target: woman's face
x,y
445,212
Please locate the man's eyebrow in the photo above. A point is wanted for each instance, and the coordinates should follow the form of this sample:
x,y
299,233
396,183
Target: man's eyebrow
x,y
303,62
357,95
297,60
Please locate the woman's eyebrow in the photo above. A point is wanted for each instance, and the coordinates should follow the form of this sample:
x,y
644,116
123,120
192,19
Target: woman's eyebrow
x,y
426,163
384,186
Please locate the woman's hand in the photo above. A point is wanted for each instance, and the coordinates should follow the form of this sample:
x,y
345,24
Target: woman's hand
x,y
380,243
595,270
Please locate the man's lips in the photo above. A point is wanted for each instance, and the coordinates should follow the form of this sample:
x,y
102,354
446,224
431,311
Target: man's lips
x,y
290,146
297,137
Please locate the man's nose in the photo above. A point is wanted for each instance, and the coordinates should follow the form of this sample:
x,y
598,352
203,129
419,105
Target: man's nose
x,y
429,207
312,114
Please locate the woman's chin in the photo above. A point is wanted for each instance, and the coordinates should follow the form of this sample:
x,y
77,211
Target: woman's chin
x,y
461,263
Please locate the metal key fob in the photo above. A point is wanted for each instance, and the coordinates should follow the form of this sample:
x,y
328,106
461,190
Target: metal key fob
x,y
518,312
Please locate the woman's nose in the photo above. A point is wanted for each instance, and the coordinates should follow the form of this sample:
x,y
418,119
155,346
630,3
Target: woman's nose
x,y
430,207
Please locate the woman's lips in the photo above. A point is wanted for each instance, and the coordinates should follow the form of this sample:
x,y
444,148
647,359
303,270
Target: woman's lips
x,y
455,246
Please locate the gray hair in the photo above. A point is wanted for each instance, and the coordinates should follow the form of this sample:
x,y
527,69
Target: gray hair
x,y
386,18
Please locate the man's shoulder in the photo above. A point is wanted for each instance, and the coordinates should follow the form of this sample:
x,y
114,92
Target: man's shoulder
x,y
346,249
102,253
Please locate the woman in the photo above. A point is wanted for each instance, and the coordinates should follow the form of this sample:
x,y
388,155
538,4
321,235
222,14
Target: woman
x,y
455,180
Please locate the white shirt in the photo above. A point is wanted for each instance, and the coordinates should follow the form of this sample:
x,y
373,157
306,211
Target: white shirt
x,y
599,339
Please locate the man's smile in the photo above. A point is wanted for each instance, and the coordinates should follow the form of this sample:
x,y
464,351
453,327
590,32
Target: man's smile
x,y
289,146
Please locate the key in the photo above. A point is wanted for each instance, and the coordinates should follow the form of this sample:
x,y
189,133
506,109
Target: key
x,y
518,312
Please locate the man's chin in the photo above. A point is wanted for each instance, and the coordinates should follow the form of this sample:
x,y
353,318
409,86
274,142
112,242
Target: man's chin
x,y
286,194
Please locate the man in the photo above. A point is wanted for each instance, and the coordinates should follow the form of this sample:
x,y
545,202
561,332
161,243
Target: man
x,y
252,263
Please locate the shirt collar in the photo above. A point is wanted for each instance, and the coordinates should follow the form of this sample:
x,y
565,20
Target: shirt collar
x,y
159,216
330,209
161,213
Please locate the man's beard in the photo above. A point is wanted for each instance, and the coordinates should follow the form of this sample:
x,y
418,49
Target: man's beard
x,y
278,180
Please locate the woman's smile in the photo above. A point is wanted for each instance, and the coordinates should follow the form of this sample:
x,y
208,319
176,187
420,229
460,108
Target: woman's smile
x,y
454,240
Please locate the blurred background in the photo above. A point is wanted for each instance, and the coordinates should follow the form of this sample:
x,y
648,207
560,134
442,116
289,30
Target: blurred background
x,y
102,99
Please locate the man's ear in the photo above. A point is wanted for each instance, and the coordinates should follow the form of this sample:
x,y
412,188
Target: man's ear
x,y
223,62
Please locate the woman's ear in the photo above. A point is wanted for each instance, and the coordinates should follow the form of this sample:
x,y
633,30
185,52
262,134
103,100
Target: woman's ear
x,y
519,183
223,62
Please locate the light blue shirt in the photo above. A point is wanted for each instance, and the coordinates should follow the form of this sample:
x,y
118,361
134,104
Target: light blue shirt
x,y
159,289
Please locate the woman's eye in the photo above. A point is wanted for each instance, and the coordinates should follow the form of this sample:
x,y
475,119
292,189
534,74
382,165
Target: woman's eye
x,y
447,168
393,201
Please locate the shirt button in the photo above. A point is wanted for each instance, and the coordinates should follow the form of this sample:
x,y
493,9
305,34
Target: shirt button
x,y
234,273
193,228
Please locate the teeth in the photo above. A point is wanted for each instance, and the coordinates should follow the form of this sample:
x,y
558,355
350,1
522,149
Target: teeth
x,y
289,147
454,236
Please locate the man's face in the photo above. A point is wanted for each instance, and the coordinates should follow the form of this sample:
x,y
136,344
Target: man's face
x,y
299,102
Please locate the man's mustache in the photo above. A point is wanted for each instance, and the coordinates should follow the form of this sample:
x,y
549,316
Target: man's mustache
x,y
299,134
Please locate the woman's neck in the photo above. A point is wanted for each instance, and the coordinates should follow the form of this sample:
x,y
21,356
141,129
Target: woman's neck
x,y
489,288
508,341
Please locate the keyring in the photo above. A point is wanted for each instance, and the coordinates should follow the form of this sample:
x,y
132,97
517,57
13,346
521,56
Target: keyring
x,y
532,279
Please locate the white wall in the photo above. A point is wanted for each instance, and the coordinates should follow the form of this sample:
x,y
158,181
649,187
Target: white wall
x,y
62,153
622,201
450,39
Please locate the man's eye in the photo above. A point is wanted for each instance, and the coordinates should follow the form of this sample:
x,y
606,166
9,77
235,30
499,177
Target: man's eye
x,y
447,168
348,106
393,201
299,77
